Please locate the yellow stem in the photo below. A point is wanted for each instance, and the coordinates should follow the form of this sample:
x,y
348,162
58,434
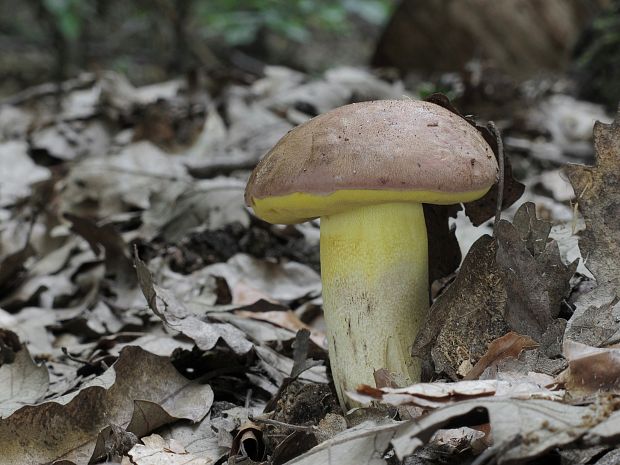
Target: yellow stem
x,y
374,268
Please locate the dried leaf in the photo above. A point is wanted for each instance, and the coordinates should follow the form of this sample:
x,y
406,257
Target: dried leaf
x,y
209,204
590,369
435,395
532,271
100,187
71,424
117,261
522,429
17,172
202,440
286,319
282,282
177,317
509,345
157,451
12,264
68,140
477,292
365,443
22,382
515,282
598,194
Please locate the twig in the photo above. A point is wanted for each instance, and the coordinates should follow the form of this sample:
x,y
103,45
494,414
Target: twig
x,y
281,424
73,358
164,177
500,184
216,169
248,398
48,89
31,223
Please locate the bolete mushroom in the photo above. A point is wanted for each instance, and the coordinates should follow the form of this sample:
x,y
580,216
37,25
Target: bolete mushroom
x,y
365,169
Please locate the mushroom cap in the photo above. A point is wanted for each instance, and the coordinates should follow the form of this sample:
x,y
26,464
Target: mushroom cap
x,y
368,153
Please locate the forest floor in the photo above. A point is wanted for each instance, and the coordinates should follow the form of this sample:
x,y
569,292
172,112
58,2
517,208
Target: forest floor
x,y
110,193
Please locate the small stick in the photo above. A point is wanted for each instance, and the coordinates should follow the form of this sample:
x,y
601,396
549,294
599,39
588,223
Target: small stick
x,y
281,424
500,185
73,358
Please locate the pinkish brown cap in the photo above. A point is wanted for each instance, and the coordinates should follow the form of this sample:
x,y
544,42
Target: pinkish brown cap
x,y
393,150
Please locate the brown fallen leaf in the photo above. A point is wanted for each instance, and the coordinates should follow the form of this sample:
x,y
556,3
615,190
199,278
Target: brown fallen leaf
x,y
106,237
280,282
598,195
477,288
521,429
71,435
286,319
364,443
248,443
535,279
157,451
177,317
12,264
435,395
18,172
590,369
22,381
203,439
509,345
515,281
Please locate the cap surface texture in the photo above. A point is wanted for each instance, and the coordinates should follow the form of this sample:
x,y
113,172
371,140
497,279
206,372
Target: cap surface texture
x,y
371,152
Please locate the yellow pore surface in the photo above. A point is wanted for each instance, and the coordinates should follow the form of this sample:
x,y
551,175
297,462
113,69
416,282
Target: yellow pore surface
x,y
299,207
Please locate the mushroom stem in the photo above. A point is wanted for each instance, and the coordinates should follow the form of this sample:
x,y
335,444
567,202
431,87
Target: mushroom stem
x,y
374,269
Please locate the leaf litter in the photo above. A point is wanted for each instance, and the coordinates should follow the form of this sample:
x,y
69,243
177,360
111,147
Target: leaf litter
x,y
149,318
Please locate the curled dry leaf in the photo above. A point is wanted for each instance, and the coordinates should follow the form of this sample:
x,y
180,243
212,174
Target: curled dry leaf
x,y
202,440
106,237
22,381
17,172
158,451
435,395
100,187
522,429
458,439
71,424
248,443
177,317
286,319
509,345
590,369
282,282
365,443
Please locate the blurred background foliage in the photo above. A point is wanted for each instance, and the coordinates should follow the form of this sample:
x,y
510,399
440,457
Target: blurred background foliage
x,y
154,40
597,58
240,22
151,40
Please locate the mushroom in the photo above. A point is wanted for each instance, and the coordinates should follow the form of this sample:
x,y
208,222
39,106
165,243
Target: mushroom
x,y
365,169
